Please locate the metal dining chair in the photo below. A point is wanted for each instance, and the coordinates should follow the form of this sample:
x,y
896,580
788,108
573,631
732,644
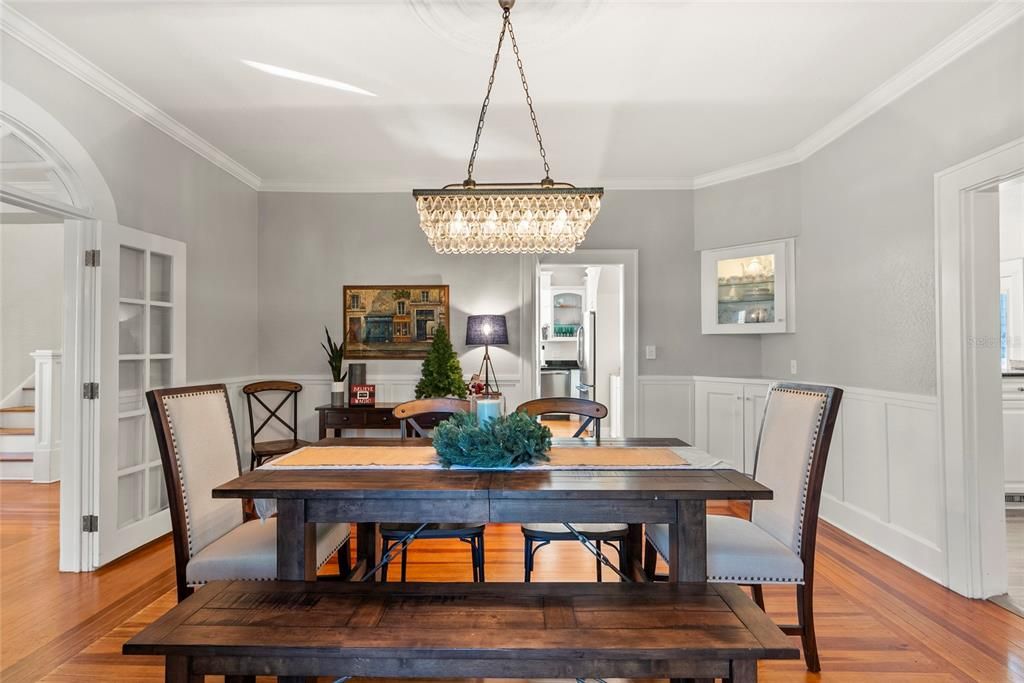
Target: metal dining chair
x,y
261,451
776,545
415,420
536,536
195,434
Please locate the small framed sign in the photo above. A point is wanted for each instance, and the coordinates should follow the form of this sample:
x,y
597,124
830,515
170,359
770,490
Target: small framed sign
x,y
362,395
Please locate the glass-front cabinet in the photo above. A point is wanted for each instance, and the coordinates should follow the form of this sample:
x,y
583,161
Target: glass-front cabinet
x,y
748,289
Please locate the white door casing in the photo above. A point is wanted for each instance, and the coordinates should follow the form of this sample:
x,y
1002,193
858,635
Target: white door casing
x,y
141,338
966,236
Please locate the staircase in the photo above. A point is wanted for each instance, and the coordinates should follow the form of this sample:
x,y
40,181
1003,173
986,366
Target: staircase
x,y
17,437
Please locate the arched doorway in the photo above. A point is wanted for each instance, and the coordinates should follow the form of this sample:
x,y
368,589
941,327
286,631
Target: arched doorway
x,y
48,179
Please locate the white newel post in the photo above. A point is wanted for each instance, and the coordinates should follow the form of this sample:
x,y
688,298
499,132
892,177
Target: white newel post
x,y
46,457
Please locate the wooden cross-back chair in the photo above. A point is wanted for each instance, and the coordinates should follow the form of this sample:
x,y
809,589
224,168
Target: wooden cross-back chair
x,y
776,546
265,450
410,412
391,534
593,411
536,536
213,541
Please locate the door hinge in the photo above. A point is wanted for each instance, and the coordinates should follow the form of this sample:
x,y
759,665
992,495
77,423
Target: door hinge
x,y
91,390
92,258
90,523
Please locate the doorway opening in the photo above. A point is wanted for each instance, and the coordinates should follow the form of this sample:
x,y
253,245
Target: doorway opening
x,y
581,313
978,345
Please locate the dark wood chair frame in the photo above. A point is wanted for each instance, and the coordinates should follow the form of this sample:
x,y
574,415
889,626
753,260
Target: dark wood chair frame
x,y
592,410
253,391
175,496
808,539
535,540
408,412
392,534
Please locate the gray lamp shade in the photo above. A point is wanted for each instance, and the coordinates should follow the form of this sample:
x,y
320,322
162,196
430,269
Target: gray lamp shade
x,y
486,329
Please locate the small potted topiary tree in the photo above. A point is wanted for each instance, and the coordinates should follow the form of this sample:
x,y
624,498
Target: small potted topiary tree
x,y
442,372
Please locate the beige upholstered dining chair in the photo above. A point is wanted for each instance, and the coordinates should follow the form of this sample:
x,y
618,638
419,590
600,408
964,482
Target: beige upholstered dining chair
x,y
777,544
212,540
538,535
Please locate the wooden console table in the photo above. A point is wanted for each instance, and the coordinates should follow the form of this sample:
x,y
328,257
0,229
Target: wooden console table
x,y
381,416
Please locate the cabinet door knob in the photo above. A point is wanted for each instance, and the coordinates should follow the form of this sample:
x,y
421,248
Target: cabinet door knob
x,y
1020,388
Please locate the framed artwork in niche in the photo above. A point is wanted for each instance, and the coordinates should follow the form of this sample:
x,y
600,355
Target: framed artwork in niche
x,y
393,321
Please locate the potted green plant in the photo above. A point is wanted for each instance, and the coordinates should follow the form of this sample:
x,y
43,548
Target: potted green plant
x,y
335,358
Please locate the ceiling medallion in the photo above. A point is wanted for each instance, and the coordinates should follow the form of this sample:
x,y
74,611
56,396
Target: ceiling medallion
x,y
507,218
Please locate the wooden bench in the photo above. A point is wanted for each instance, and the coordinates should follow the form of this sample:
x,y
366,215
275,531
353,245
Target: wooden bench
x,y
538,630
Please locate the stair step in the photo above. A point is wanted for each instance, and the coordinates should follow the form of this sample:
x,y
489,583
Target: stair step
x,y
15,457
17,431
18,409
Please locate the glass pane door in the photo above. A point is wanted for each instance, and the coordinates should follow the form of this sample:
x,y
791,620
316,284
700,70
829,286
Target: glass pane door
x,y
145,350
746,290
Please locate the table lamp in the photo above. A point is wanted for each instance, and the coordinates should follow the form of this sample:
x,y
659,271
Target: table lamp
x,y
487,330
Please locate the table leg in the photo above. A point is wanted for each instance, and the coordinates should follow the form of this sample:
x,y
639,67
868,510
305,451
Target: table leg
x,y
178,669
323,424
743,671
367,545
296,542
635,552
688,543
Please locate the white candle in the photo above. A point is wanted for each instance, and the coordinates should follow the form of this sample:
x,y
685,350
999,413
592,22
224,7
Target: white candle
x,y
487,409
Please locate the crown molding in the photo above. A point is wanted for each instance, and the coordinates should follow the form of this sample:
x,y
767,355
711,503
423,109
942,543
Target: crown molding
x,y
23,29
970,35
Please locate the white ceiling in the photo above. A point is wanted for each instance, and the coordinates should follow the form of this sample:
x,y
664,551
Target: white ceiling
x,y
627,93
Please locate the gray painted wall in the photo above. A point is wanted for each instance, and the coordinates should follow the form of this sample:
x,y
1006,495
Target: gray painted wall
x,y
865,251
761,207
31,297
313,244
162,187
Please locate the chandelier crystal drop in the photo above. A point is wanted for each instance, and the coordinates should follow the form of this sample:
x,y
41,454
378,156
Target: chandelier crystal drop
x,y
507,218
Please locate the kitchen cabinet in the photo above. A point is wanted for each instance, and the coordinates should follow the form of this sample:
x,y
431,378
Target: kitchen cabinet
x,y
1013,434
748,289
728,419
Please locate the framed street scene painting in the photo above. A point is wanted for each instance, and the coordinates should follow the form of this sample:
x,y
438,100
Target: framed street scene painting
x,y
398,322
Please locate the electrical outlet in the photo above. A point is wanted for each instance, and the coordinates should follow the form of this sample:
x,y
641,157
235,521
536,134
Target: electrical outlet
x,y
651,352
792,367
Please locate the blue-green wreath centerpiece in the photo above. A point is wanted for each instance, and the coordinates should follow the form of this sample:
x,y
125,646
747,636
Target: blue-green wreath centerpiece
x,y
504,442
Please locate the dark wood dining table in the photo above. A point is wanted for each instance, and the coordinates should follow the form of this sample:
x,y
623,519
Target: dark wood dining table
x,y
676,497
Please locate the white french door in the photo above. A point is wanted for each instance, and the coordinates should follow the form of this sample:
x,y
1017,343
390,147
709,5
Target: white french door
x,y
141,345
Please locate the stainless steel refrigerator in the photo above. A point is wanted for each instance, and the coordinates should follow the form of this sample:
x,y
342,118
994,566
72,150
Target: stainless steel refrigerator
x,y
586,356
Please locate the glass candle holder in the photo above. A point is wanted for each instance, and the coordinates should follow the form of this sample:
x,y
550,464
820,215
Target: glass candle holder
x,y
487,407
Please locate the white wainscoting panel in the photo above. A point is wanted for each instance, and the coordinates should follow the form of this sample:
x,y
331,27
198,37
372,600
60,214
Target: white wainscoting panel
x,y
666,406
890,495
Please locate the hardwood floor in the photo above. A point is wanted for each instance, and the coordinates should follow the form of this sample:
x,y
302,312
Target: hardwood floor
x,y
877,620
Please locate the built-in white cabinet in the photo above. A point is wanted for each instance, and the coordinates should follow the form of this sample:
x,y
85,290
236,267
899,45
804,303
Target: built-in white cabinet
x,y
727,417
748,289
1013,433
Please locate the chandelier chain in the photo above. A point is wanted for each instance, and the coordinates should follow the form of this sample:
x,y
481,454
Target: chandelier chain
x,y
529,100
506,25
487,97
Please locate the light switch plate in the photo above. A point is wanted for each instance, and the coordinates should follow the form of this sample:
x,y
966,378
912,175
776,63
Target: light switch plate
x,y
792,367
651,352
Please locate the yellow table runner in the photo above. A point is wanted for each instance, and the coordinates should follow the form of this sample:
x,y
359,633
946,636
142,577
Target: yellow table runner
x,y
424,457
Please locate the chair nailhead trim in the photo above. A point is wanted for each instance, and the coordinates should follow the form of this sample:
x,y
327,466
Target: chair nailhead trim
x,y
177,464
752,579
810,459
